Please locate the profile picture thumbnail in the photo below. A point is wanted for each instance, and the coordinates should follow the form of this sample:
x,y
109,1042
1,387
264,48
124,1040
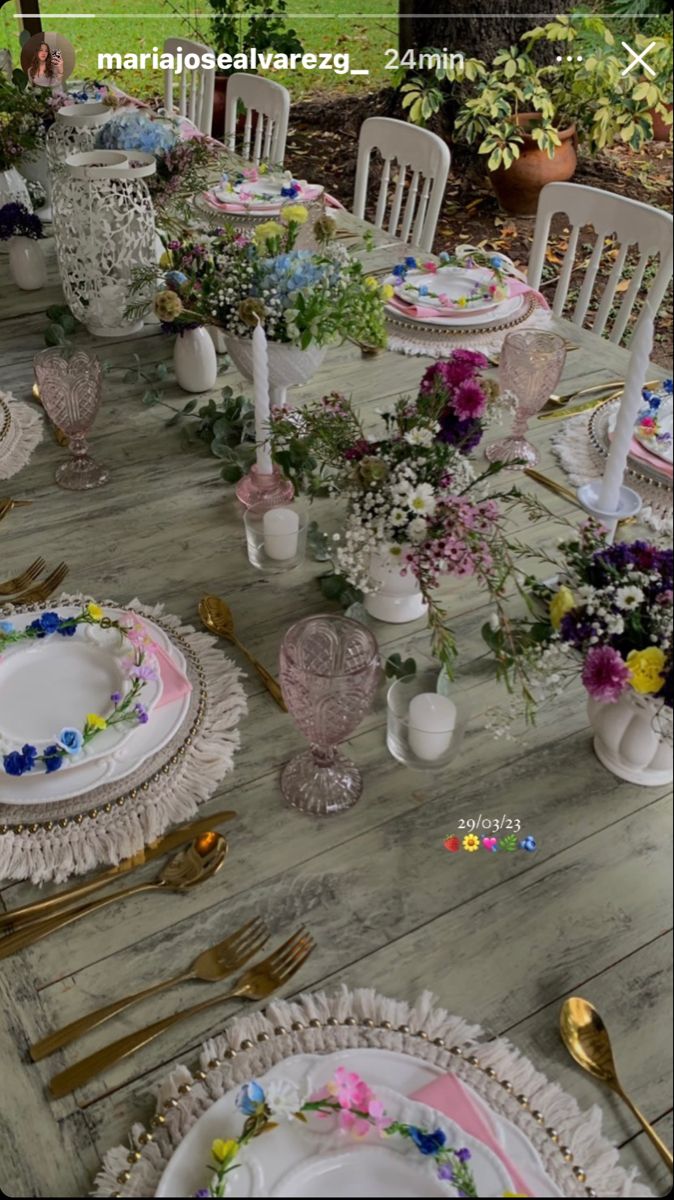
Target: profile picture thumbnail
x,y
48,59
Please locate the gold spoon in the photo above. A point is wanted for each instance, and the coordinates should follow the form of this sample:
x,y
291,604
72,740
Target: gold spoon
x,y
586,1038
192,866
217,617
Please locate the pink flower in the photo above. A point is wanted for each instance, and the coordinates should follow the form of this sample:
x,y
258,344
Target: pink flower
x,y
469,400
351,1123
430,266
605,675
251,173
351,1090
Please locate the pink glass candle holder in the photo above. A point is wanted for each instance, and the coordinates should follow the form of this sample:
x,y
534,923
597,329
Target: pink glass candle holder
x,y
329,675
70,391
269,491
530,366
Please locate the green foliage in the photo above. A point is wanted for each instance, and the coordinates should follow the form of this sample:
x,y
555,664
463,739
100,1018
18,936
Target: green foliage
x,y
61,325
396,668
238,25
22,119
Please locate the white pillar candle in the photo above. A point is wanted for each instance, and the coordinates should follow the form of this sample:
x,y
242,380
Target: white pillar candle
x,y
430,724
280,530
261,399
642,346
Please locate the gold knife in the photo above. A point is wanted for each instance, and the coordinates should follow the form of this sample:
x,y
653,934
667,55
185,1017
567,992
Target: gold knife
x,y
562,414
164,845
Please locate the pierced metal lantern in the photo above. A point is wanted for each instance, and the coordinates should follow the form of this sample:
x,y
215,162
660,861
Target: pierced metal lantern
x,y
74,131
104,229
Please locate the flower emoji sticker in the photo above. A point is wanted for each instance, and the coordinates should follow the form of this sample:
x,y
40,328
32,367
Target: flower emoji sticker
x,y
471,842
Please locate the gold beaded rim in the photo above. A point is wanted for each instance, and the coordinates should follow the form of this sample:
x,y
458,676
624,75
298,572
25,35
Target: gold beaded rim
x,y
144,1139
436,333
134,793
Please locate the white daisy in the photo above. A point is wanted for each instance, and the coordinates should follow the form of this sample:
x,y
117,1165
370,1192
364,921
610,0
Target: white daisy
x,y
417,529
398,516
422,499
419,437
629,597
283,1099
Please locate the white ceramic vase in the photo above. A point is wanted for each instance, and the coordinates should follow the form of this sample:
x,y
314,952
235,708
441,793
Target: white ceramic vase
x,y
395,597
288,365
194,361
218,338
27,263
632,739
13,190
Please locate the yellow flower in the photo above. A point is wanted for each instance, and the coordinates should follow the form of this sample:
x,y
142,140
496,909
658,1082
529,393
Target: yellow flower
x,y
96,722
267,230
296,213
95,612
223,1151
560,605
166,260
370,283
647,669
387,291
462,302
471,843
263,168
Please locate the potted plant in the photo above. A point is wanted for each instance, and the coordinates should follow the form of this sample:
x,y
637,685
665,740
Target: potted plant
x,y
237,26
22,230
657,92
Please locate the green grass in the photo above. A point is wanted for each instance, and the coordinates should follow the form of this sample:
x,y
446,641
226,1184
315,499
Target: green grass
x,y
336,27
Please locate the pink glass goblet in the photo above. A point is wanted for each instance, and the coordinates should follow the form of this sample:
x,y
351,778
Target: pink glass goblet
x,y
329,675
530,367
70,391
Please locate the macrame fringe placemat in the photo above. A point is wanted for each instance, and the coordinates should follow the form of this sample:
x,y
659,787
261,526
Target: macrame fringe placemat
x,y
114,821
20,433
408,338
582,461
569,1141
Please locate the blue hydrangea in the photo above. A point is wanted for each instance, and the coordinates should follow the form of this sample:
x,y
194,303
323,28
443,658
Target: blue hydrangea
x,y
135,131
287,274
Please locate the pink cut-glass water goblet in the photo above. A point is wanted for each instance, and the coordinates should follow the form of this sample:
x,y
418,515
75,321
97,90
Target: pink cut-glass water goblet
x,y
70,392
329,675
529,369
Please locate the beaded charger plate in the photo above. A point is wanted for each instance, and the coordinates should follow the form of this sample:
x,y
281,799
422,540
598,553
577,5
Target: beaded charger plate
x,y
413,336
599,428
20,433
557,1148
113,821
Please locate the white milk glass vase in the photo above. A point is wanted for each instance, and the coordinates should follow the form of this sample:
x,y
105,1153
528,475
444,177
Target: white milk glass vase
x,y
194,360
395,595
633,738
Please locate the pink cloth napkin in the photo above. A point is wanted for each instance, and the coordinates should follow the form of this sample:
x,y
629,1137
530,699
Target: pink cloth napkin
x,y
174,684
639,451
516,287
449,1096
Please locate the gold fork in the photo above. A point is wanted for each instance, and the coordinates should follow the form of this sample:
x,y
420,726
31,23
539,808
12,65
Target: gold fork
x,y
209,967
257,983
7,503
44,589
21,581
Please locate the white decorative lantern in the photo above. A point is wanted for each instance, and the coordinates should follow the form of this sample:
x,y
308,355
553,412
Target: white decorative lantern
x,y
13,189
74,131
104,229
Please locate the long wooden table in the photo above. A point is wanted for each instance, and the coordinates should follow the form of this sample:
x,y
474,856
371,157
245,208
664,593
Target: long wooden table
x,y
499,938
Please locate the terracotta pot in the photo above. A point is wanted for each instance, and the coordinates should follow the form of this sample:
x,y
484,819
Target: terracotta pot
x,y
518,186
661,132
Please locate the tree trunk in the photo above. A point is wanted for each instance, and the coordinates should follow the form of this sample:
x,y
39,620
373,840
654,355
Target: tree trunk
x,y
475,36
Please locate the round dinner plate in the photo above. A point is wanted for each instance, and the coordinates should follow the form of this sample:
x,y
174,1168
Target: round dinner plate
x,y
601,419
51,683
316,1159
502,310
454,282
659,447
139,744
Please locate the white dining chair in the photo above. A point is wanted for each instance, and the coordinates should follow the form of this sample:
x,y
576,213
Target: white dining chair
x,y
415,205
195,87
631,223
265,130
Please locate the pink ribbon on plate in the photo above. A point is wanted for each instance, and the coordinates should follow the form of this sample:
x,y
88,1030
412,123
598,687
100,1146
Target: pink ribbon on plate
x,y
448,1096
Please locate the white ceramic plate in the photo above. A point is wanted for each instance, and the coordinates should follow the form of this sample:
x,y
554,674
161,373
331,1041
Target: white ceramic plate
x,y
53,682
661,448
320,1161
503,310
454,282
122,760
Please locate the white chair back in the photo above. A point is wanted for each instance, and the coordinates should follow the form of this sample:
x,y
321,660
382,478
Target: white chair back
x,y
195,87
631,223
265,130
414,208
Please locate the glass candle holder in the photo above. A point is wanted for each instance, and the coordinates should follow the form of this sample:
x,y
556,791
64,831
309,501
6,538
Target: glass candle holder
x,y
423,728
276,538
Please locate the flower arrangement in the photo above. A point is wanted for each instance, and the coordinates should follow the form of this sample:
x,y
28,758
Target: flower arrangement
x,y
613,614
412,496
140,668
463,258
182,172
22,113
357,1110
16,221
302,297
135,131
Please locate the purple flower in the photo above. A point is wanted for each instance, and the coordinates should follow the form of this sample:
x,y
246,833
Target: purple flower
x,y
116,697
446,1172
455,432
142,714
463,1154
469,400
202,1193
604,674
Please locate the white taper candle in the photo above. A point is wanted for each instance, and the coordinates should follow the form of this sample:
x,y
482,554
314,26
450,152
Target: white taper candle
x,y
641,347
261,397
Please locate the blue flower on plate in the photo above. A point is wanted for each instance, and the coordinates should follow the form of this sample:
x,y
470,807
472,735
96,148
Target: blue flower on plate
x,y
67,628
444,256
36,625
423,290
14,763
428,1143
667,386
250,1099
29,756
50,621
410,261
400,271
496,261
6,627
70,740
52,757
